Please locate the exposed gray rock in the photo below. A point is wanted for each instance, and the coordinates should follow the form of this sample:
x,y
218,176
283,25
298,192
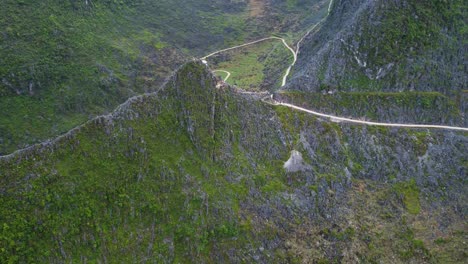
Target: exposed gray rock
x,y
295,163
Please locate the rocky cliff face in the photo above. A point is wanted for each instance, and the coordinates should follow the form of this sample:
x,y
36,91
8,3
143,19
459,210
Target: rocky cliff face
x,y
199,172
398,45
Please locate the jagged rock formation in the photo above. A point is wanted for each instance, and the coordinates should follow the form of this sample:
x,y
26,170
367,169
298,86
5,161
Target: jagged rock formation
x,y
195,173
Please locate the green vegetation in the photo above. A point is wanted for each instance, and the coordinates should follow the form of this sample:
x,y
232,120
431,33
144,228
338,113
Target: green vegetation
x,y
256,67
410,30
76,59
392,46
80,60
106,189
419,107
414,247
448,249
410,195
221,74
195,173
346,234
144,191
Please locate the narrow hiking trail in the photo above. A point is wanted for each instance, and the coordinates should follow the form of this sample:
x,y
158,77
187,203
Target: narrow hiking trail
x,y
226,72
286,45
268,97
235,47
288,71
293,52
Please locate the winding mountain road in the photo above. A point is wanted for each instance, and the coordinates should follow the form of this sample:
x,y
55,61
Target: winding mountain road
x,y
251,43
294,53
288,71
269,98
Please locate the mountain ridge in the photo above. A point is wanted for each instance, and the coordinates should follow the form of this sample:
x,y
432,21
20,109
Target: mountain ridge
x,y
64,62
170,179
203,171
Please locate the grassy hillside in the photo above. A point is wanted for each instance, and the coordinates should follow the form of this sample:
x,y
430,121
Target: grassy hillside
x,y
64,61
257,67
195,173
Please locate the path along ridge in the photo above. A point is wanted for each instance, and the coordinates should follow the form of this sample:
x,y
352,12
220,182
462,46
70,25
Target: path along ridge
x,y
275,103
331,117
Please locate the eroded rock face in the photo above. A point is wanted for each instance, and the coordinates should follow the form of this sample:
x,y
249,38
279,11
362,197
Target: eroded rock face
x,y
295,163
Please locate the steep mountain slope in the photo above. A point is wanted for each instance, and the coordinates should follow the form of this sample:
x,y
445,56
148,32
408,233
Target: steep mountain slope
x,y
64,61
399,60
404,107
398,45
205,174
